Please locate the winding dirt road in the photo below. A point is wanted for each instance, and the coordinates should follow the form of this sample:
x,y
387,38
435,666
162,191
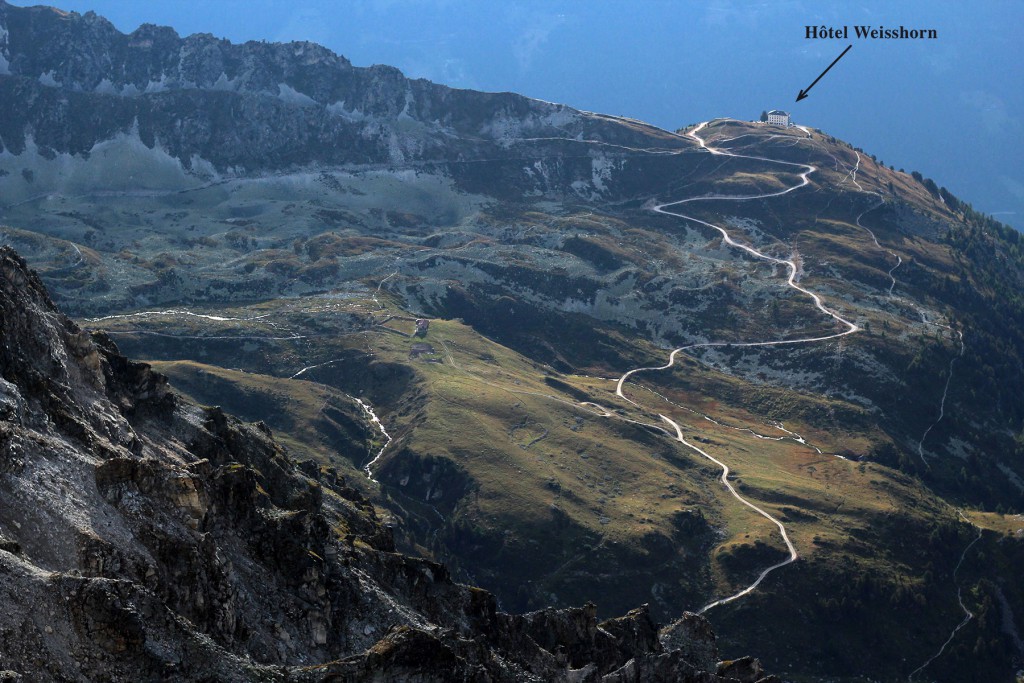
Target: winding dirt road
x,y
899,259
790,264
791,281
793,555
968,614
851,328
945,391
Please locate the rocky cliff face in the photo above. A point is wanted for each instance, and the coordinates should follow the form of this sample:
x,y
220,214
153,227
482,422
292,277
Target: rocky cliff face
x,y
145,538
218,108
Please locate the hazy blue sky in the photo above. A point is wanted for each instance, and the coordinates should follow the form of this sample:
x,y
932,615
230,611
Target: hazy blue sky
x,y
951,108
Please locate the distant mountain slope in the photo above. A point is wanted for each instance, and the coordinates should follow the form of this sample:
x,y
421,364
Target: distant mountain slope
x,y
146,538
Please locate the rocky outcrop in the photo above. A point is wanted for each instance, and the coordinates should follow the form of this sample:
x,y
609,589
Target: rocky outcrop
x,y
146,538
692,635
745,670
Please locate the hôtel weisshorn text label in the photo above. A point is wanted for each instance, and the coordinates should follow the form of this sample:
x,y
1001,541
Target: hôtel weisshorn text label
x,y
869,33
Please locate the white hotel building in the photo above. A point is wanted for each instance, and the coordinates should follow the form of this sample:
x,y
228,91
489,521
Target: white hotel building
x,y
777,117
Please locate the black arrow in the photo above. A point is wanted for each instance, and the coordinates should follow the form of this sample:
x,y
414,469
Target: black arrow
x,y
803,93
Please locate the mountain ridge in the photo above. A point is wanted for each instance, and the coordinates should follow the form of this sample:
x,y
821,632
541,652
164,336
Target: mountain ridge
x,y
397,119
